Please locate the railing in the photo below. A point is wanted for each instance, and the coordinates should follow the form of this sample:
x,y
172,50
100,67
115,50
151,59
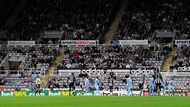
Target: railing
x,y
19,72
187,74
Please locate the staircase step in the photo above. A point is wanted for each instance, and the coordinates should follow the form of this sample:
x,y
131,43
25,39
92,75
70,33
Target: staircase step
x,y
58,59
165,68
168,61
113,28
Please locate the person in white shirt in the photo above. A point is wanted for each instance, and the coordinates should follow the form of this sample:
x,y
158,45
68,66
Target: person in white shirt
x,y
68,65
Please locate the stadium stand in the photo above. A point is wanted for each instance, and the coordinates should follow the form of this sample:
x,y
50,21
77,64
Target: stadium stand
x,y
6,7
181,80
21,65
107,57
182,57
78,19
61,80
90,20
113,57
144,18
179,70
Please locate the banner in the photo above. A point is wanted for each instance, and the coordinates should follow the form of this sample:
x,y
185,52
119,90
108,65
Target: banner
x,y
47,93
176,93
53,34
115,42
81,93
6,89
188,94
59,93
79,42
7,93
182,42
90,93
183,69
145,93
164,34
133,42
134,71
118,93
32,93
22,93
21,43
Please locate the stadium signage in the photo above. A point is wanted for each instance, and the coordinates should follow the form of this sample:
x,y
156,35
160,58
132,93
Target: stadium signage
x,y
101,71
188,94
182,42
20,93
118,93
146,71
79,42
32,93
47,93
81,93
133,42
145,93
164,34
66,93
6,89
60,93
54,93
183,69
21,43
168,93
7,93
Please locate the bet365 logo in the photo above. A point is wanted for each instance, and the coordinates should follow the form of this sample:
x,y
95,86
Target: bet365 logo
x,y
19,93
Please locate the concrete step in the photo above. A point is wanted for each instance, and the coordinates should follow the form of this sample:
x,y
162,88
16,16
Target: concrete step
x,y
113,28
58,59
165,67
168,61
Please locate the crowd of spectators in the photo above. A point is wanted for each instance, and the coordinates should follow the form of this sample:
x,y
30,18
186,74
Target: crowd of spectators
x,y
182,58
37,62
78,19
144,17
181,82
113,57
41,57
109,80
6,8
89,20
64,81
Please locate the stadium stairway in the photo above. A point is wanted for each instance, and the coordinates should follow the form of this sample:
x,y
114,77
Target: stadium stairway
x,y
58,59
113,28
167,62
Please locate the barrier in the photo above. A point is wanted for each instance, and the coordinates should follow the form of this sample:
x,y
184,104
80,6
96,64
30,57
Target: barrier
x,y
90,93
188,94
183,69
119,93
21,43
176,93
133,71
79,42
130,42
47,93
182,42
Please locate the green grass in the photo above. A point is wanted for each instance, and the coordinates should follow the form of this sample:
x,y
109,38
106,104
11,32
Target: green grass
x,y
93,101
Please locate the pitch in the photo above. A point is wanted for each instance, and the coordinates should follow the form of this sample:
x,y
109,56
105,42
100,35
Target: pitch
x,y
94,101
